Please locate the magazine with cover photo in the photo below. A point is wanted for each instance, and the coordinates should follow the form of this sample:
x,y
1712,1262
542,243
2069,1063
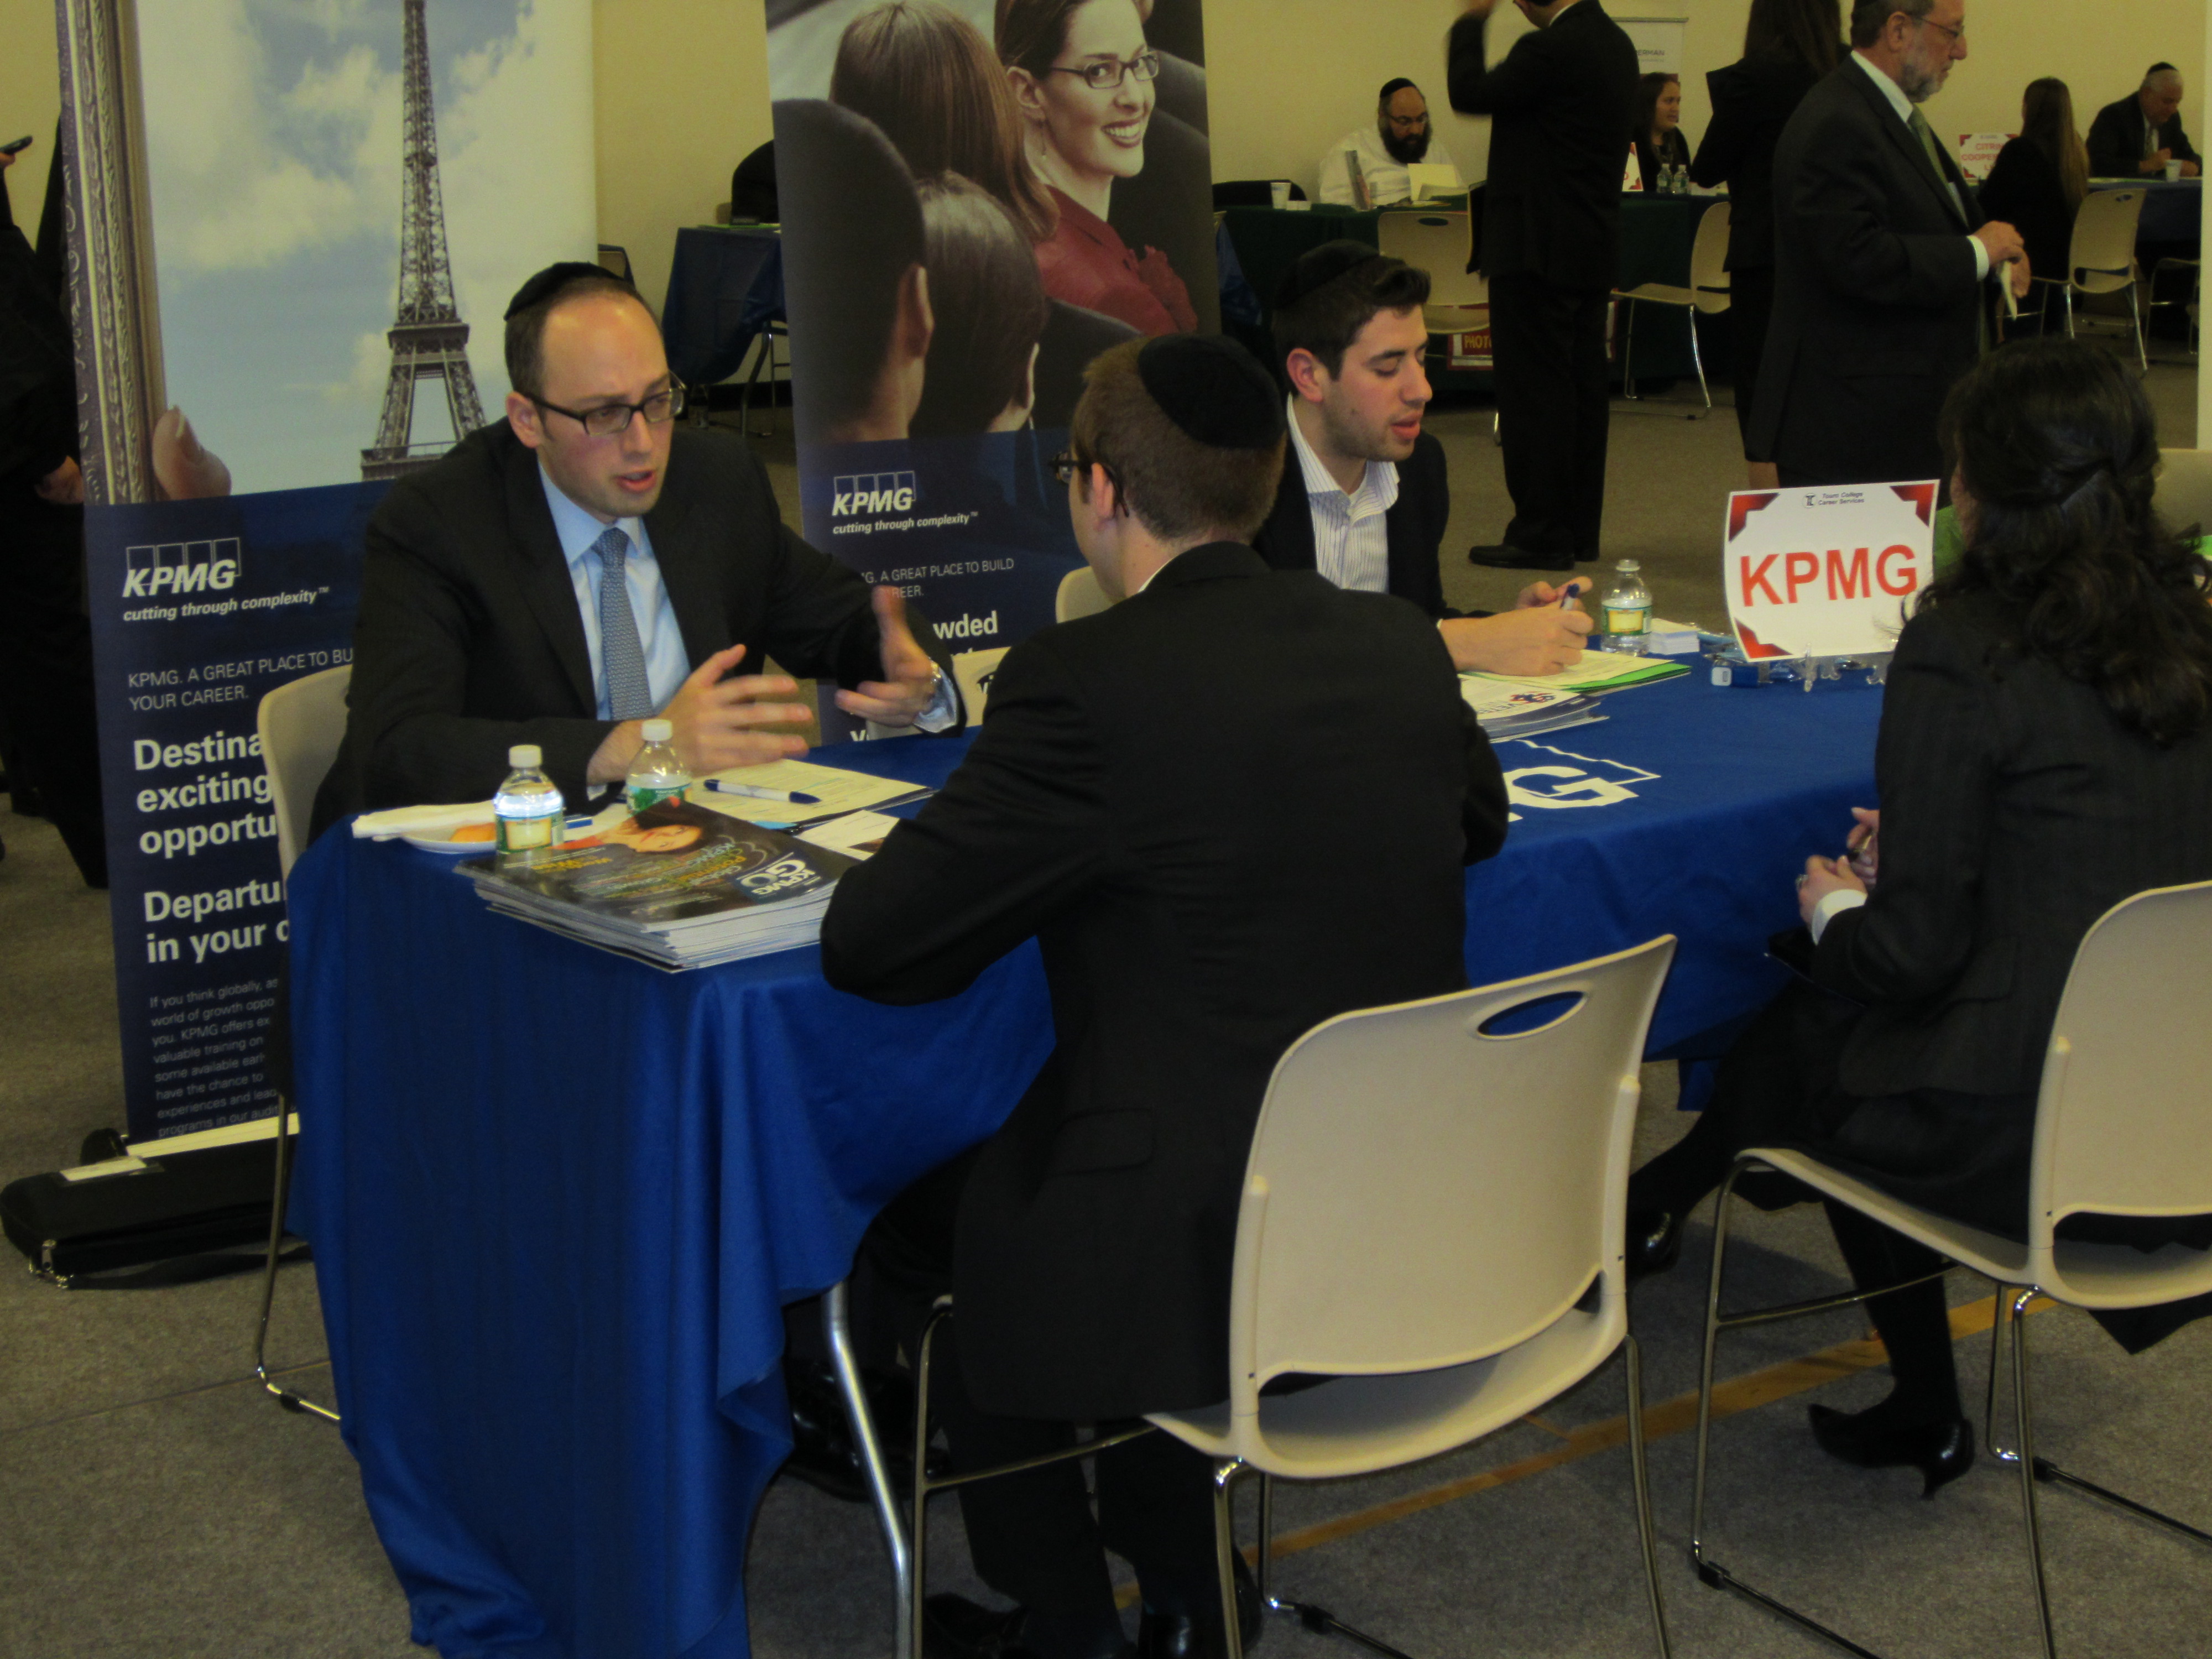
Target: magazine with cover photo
x,y
676,884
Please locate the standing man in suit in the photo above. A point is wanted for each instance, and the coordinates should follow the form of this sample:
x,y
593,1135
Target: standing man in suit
x,y
563,574
1559,106
1124,806
1883,262
1364,496
2139,135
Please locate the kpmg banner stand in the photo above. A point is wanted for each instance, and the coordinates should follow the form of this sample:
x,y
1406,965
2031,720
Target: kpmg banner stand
x,y
977,200
199,610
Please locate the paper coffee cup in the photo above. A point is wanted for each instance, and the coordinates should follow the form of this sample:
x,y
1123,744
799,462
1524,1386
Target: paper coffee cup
x,y
2172,171
1278,195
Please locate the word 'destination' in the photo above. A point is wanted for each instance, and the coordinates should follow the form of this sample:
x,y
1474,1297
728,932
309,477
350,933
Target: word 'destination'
x,y
1827,571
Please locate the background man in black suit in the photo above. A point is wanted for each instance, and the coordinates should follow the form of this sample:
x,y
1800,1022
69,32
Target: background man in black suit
x,y
1365,496
1550,244
486,613
1125,804
2141,134
1881,261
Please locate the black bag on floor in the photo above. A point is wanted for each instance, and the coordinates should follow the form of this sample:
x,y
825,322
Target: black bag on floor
x,y
180,1205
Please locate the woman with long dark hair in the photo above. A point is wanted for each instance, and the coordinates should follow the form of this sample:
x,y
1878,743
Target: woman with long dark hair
x,y
2046,752
1082,77
2040,178
1788,45
929,80
1655,126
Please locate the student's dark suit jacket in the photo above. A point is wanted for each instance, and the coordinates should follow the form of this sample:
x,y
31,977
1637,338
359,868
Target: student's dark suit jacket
x,y
1875,298
1227,808
470,639
1753,100
2116,140
2015,810
1558,145
1415,523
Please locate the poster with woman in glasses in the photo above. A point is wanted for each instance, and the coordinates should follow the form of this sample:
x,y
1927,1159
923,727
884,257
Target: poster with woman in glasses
x,y
978,197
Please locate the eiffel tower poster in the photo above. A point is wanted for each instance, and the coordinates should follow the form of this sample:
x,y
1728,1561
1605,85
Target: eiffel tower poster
x,y
430,341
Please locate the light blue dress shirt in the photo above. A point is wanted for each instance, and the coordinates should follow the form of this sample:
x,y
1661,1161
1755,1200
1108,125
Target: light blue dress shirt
x,y
666,664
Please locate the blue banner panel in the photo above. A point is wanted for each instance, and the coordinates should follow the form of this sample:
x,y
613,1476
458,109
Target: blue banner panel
x,y
200,609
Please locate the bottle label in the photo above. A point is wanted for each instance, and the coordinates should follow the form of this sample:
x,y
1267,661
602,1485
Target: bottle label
x,y
528,834
1627,620
642,796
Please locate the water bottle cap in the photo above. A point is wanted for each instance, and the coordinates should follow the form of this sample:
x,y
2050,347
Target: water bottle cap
x,y
1628,564
657,731
525,755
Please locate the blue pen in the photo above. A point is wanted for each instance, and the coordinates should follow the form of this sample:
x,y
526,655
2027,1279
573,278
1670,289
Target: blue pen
x,y
754,791
1568,596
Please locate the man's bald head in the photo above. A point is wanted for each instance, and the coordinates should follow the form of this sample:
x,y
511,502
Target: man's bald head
x,y
2161,95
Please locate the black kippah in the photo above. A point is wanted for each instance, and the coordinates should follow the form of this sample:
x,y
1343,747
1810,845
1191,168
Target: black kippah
x,y
551,280
1213,389
1318,267
1392,88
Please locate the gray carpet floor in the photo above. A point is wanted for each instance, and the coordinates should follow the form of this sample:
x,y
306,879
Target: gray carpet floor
x,y
158,1507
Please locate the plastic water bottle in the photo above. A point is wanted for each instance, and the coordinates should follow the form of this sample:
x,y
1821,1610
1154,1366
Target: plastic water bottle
x,y
656,774
1627,608
528,808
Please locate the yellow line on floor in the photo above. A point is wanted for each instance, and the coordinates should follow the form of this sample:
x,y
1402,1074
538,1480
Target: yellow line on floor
x,y
1669,1416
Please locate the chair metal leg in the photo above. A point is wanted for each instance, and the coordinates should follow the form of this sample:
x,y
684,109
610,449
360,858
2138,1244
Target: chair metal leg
x,y
1225,1554
2027,1445
1647,1537
278,1203
917,1584
1697,357
2135,313
1628,359
837,1327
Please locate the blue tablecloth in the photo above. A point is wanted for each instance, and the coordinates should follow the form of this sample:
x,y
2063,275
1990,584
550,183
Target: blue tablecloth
x,y
2172,210
725,286
558,1197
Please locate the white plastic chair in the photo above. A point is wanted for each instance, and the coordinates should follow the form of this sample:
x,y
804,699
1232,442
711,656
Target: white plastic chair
x,y
2101,258
1438,243
1706,295
301,723
1433,1220
1079,595
2185,487
2123,1126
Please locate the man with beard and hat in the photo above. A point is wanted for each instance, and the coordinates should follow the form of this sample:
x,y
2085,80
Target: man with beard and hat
x,y
1400,136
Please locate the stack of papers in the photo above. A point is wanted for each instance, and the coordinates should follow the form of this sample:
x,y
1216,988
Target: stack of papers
x,y
1599,671
677,886
1506,710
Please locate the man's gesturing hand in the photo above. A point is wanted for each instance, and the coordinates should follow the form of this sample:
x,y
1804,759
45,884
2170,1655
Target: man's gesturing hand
x,y
1536,638
717,722
909,681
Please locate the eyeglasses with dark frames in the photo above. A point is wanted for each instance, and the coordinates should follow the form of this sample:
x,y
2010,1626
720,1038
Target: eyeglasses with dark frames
x,y
606,420
1929,22
1067,465
1107,74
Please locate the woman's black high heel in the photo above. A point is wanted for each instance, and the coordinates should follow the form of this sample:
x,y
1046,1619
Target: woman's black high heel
x,y
1940,1451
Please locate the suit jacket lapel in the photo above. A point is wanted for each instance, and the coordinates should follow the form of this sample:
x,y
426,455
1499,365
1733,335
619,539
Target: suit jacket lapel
x,y
1289,534
545,576
680,547
1907,143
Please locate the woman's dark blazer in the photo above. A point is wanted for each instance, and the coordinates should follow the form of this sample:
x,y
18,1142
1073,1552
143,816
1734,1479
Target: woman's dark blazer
x,y
1674,152
2016,809
2025,193
1753,100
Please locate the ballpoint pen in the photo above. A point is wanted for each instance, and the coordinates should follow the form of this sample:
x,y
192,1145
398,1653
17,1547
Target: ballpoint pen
x,y
754,792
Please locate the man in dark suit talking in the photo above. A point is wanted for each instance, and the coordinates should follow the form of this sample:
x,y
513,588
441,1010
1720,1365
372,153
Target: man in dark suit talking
x,y
1559,114
565,573
1235,803
1883,264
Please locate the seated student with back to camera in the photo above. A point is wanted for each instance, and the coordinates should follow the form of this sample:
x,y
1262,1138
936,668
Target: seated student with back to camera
x,y
2046,752
1162,795
1364,495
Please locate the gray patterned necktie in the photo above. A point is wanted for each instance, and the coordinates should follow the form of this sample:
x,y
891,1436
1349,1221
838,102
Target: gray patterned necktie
x,y
630,693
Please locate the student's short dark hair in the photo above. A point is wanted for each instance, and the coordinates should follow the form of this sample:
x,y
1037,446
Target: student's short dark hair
x,y
1326,320
526,329
1175,486
1868,17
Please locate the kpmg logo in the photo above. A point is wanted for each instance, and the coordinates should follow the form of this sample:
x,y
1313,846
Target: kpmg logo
x,y
171,568
872,492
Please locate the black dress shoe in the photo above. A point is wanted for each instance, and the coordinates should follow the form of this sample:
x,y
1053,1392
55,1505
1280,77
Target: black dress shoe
x,y
1655,1241
1179,1636
1940,1451
953,1627
1503,557
823,1452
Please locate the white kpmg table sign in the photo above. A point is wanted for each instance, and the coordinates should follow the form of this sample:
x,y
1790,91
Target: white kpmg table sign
x,y
1826,572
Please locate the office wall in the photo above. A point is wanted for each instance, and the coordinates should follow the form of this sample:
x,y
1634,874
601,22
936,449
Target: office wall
x,y
30,101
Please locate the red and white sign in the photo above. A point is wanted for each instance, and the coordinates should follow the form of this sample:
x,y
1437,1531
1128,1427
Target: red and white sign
x,y
1470,348
1828,572
1977,154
